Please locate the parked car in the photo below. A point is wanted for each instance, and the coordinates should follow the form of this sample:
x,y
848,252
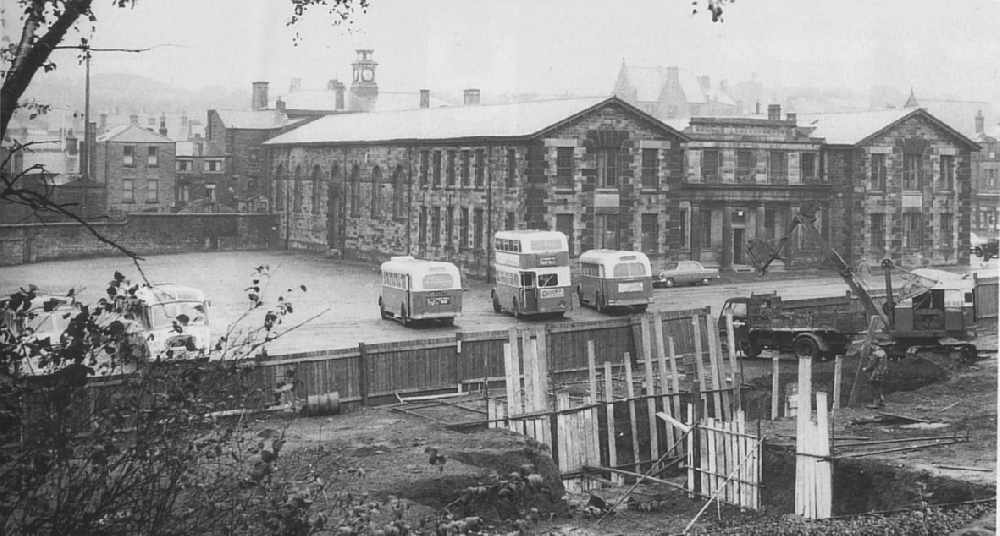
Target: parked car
x,y
685,273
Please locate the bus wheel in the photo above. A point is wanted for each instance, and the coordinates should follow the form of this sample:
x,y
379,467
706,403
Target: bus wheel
x,y
806,346
496,303
403,318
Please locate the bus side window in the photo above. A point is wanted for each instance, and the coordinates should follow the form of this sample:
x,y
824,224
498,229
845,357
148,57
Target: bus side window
x,y
527,279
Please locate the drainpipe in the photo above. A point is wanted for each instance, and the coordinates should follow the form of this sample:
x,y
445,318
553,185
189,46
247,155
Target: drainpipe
x,y
489,211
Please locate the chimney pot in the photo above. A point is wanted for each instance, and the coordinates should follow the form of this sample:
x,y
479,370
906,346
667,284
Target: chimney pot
x,y
774,112
471,97
790,117
259,99
979,122
279,105
425,98
295,84
705,82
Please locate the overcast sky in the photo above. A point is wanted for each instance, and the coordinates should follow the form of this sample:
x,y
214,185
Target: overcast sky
x,y
939,47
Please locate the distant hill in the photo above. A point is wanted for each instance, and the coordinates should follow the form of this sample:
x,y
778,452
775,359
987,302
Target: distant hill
x,y
128,93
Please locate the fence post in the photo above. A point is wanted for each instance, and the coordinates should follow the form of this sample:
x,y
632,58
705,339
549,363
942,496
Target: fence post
x,y
363,373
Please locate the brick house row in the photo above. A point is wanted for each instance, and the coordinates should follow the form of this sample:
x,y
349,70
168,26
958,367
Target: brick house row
x,y
438,182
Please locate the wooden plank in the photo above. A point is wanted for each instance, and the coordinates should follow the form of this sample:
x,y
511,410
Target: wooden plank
x,y
838,371
592,369
720,401
515,404
675,381
609,410
542,382
775,386
630,394
595,433
529,366
824,483
654,440
363,373
691,456
699,366
661,361
734,362
564,455
672,422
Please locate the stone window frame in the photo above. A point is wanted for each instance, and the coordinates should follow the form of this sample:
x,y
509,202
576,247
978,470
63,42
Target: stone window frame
x,y
128,191
716,175
511,167
808,156
153,156
465,164
946,173
654,247
777,166
912,174
422,226
128,156
913,230
355,186
398,191
464,223
649,165
425,162
152,187
317,181
449,227
706,229
436,171
876,234
478,226
946,244
879,172
609,163
746,174
450,168
480,168
376,186
435,224
564,168
186,163
297,189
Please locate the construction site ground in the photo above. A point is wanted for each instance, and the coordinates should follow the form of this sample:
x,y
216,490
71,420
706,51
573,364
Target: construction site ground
x,y
384,452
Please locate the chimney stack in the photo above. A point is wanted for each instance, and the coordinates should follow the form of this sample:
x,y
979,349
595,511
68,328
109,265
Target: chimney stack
x,y
774,112
673,75
790,117
471,97
756,108
425,98
279,105
338,94
163,125
258,101
979,122
133,119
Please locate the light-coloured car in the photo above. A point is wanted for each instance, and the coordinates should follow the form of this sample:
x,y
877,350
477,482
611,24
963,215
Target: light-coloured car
x,y
685,273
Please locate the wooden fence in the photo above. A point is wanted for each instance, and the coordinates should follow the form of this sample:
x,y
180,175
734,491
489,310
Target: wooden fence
x,y
985,296
724,461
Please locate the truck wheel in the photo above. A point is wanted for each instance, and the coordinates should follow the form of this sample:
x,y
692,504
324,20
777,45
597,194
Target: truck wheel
x,y
806,346
496,303
705,281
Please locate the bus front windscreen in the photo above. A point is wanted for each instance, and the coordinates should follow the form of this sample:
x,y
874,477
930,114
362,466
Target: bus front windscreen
x,y
629,269
548,280
438,282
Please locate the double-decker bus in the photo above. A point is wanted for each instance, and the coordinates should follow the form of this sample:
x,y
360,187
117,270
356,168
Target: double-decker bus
x,y
532,273
611,279
415,289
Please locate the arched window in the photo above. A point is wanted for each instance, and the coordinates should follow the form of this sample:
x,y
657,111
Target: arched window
x,y
297,189
398,193
355,194
317,188
376,190
279,189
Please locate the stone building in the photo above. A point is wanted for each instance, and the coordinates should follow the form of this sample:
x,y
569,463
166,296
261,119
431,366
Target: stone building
x,y
202,183
744,179
986,181
438,182
670,93
901,186
136,167
238,134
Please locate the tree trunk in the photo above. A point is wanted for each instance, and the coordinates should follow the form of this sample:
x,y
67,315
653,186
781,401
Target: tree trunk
x,y
32,56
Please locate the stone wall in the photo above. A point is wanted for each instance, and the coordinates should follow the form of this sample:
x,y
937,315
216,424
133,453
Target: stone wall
x,y
146,234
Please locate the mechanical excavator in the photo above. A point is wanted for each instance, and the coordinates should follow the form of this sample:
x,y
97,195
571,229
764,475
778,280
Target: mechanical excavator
x,y
917,317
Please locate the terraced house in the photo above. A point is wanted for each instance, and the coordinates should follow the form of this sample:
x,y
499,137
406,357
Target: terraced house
x,y
438,182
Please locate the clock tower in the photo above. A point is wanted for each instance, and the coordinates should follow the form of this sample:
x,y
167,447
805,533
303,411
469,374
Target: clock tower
x,y
364,88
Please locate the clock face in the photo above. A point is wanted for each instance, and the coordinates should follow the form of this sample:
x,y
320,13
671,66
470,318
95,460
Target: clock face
x,y
367,75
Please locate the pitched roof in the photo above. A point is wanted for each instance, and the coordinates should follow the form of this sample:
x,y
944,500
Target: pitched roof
x,y
132,134
254,120
187,148
853,128
453,122
325,100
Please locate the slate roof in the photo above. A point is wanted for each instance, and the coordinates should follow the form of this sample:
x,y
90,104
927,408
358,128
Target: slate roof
x,y
324,100
254,120
852,128
132,134
453,122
